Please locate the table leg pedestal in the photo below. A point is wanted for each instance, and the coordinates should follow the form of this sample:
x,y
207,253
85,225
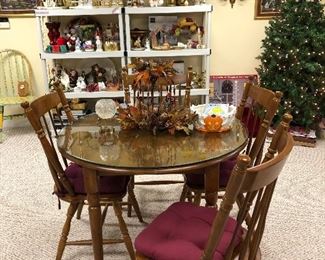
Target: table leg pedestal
x,y
91,183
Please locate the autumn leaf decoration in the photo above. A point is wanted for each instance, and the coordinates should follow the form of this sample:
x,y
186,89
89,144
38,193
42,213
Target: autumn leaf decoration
x,y
167,114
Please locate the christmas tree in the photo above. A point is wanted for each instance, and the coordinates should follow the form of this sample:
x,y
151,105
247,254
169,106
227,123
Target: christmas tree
x,y
292,60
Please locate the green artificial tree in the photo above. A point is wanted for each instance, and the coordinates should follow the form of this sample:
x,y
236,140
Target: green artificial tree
x,y
292,60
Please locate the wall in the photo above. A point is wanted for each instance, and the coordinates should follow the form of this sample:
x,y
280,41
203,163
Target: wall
x,y
235,38
22,36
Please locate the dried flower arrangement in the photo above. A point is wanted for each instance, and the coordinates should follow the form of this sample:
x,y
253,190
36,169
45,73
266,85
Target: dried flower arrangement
x,y
156,112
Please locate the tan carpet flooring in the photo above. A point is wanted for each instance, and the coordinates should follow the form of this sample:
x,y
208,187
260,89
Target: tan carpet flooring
x,y
30,222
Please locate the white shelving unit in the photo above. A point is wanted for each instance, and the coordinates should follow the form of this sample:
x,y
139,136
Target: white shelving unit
x,y
44,15
203,11
125,17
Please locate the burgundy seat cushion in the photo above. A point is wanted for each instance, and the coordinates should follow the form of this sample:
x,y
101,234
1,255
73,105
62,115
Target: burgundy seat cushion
x,y
196,181
181,232
107,184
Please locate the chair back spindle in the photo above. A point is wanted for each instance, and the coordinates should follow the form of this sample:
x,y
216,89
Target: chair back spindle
x,y
256,186
256,110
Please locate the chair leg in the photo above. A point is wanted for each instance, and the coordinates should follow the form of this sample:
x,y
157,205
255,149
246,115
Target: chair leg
x,y
132,201
130,187
1,124
80,206
66,229
184,193
197,198
104,213
123,228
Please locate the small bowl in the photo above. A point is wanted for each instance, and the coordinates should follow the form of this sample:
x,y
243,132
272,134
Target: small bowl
x,y
225,111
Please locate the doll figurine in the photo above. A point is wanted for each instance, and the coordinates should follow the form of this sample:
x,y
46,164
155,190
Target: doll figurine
x,y
73,78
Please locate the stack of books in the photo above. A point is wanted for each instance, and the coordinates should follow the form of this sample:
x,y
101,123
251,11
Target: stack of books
x,y
60,123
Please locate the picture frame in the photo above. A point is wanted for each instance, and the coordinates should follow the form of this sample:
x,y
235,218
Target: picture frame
x,y
17,8
266,9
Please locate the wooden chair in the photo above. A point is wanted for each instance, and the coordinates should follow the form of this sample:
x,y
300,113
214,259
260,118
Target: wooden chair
x,y
68,178
177,80
187,231
15,82
256,110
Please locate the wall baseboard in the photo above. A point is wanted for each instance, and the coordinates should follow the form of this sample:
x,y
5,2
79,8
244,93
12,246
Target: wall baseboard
x,y
15,122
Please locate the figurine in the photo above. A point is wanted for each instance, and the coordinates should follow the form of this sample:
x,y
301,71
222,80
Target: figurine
x,y
137,43
88,46
97,74
101,86
99,45
73,78
78,45
147,46
81,85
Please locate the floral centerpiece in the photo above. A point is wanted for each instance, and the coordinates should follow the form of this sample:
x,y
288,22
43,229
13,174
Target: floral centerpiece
x,y
151,109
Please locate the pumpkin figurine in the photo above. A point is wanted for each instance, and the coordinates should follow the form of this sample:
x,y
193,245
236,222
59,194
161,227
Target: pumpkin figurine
x,y
213,123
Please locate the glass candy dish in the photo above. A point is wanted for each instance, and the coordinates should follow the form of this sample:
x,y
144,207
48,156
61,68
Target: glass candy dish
x,y
225,111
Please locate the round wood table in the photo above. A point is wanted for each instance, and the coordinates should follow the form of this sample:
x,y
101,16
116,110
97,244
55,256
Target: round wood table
x,y
102,148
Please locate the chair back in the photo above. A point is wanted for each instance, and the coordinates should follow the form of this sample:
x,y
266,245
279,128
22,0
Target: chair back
x,y
40,114
256,185
256,110
15,77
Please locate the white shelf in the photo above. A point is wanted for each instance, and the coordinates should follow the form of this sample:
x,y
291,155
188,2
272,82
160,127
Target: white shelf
x,y
194,92
169,53
96,94
77,11
169,9
120,93
82,55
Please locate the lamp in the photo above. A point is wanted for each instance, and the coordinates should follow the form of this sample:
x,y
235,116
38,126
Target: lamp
x,y
232,2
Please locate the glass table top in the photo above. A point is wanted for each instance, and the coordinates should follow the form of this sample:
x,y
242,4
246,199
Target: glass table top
x,y
111,146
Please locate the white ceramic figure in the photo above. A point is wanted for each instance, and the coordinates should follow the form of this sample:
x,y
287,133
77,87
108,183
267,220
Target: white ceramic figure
x,y
81,83
147,46
78,45
99,44
101,86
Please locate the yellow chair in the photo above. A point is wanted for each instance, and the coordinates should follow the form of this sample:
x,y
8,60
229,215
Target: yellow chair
x,y
15,82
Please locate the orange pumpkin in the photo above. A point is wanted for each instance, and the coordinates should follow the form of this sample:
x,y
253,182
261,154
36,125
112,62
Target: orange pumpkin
x,y
213,123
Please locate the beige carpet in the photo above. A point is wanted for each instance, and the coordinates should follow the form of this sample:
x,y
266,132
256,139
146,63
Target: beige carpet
x,y
30,222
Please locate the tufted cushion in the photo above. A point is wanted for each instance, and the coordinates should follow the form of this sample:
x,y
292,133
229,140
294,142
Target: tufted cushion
x,y
196,181
108,184
181,232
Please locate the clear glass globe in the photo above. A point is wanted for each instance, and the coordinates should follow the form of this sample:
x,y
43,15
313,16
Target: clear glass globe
x,y
105,108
